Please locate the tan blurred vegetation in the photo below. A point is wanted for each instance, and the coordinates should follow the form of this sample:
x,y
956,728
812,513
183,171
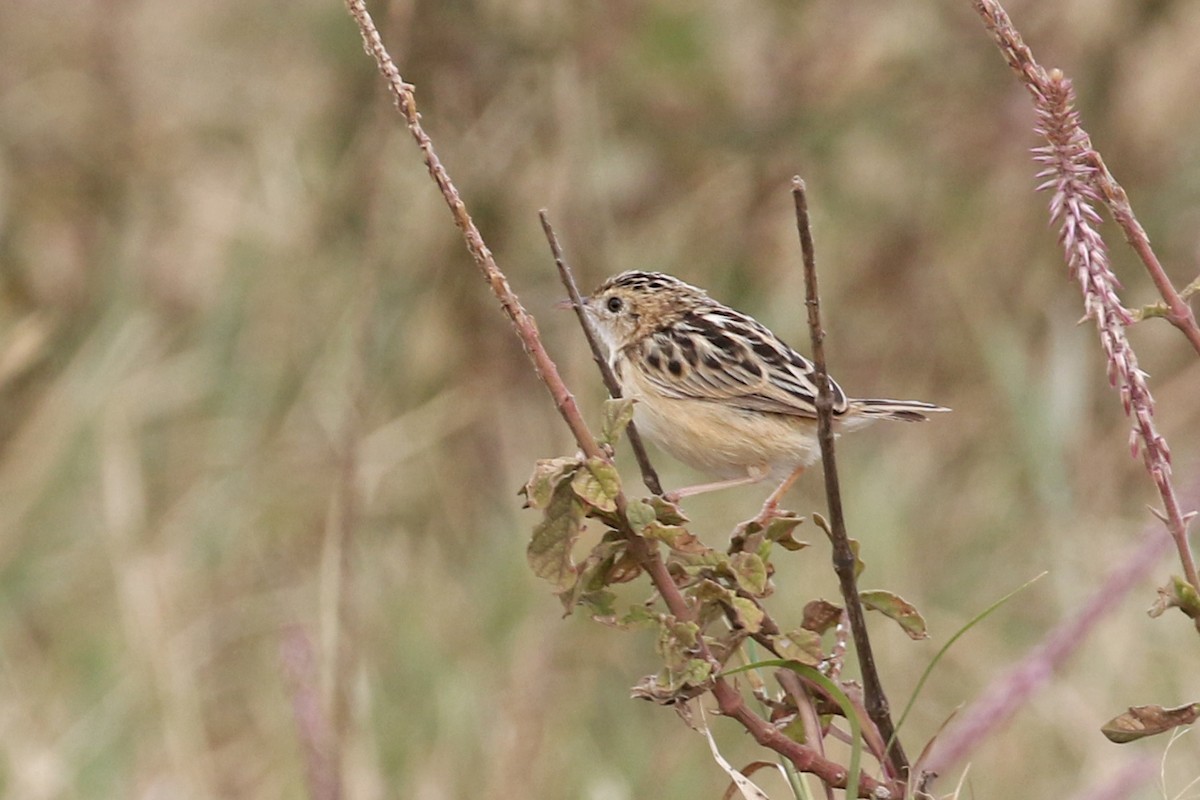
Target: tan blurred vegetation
x,y
224,271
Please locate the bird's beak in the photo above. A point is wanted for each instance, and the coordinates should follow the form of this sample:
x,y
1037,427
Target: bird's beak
x,y
567,305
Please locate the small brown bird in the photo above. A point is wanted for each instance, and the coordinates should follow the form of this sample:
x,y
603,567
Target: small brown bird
x,y
716,389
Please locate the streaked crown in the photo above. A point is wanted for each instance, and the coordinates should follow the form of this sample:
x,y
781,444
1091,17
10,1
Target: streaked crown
x,y
634,304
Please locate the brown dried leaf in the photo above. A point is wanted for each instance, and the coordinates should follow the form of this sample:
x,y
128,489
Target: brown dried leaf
x,y
1142,721
821,615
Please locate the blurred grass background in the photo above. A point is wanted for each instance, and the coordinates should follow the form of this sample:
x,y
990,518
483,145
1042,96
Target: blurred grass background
x,y
241,342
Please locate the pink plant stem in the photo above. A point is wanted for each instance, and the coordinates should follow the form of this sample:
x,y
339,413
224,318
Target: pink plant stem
x,y
729,700
1178,312
1130,777
1078,176
1008,693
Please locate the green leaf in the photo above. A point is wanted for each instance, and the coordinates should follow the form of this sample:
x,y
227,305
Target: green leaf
x,y
801,645
709,591
1177,594
617,414
1142,721
640,514
639,617
676,641
859,564
823,524
893,605
750,572
667,512
678,539
547,474
599,603
696,672
780,529
749,615
549,551
598,484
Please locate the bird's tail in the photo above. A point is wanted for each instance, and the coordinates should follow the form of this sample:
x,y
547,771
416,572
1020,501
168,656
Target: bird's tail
x,y
903,410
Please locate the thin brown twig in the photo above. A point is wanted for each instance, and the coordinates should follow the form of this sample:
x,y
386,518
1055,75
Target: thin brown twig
x,y
843,556
729,700
649,475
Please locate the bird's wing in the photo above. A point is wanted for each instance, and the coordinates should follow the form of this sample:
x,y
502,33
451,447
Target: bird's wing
x,y
720,355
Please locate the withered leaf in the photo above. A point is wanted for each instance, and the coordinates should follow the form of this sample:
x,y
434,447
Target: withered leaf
x,y
617,414
676,538
1142,721
547,474
821,615
750,572
640,514
801,645
899,609
668,513
549,551
780,530
597,484
749,615
1177,594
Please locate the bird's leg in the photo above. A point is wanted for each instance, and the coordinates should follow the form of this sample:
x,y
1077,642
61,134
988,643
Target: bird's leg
x,y
754,475
770,507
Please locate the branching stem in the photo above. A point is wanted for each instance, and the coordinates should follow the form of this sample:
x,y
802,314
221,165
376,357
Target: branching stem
x,y
729,700
649,476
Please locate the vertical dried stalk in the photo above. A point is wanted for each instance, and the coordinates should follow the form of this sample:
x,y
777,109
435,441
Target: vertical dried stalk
x,y
843,556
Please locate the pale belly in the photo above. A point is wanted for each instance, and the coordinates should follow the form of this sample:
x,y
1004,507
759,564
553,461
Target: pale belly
x,y
721,440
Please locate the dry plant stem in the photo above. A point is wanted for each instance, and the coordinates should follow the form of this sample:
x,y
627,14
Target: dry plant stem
x,y
649,476
313,726
1130,777
843,556
1177,311
1079,177
792,684
1005,695
729,700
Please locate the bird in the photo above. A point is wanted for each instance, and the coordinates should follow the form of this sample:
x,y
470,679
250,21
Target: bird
x,y
716,389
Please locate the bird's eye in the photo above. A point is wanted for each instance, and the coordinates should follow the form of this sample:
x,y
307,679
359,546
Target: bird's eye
x,y
614,304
